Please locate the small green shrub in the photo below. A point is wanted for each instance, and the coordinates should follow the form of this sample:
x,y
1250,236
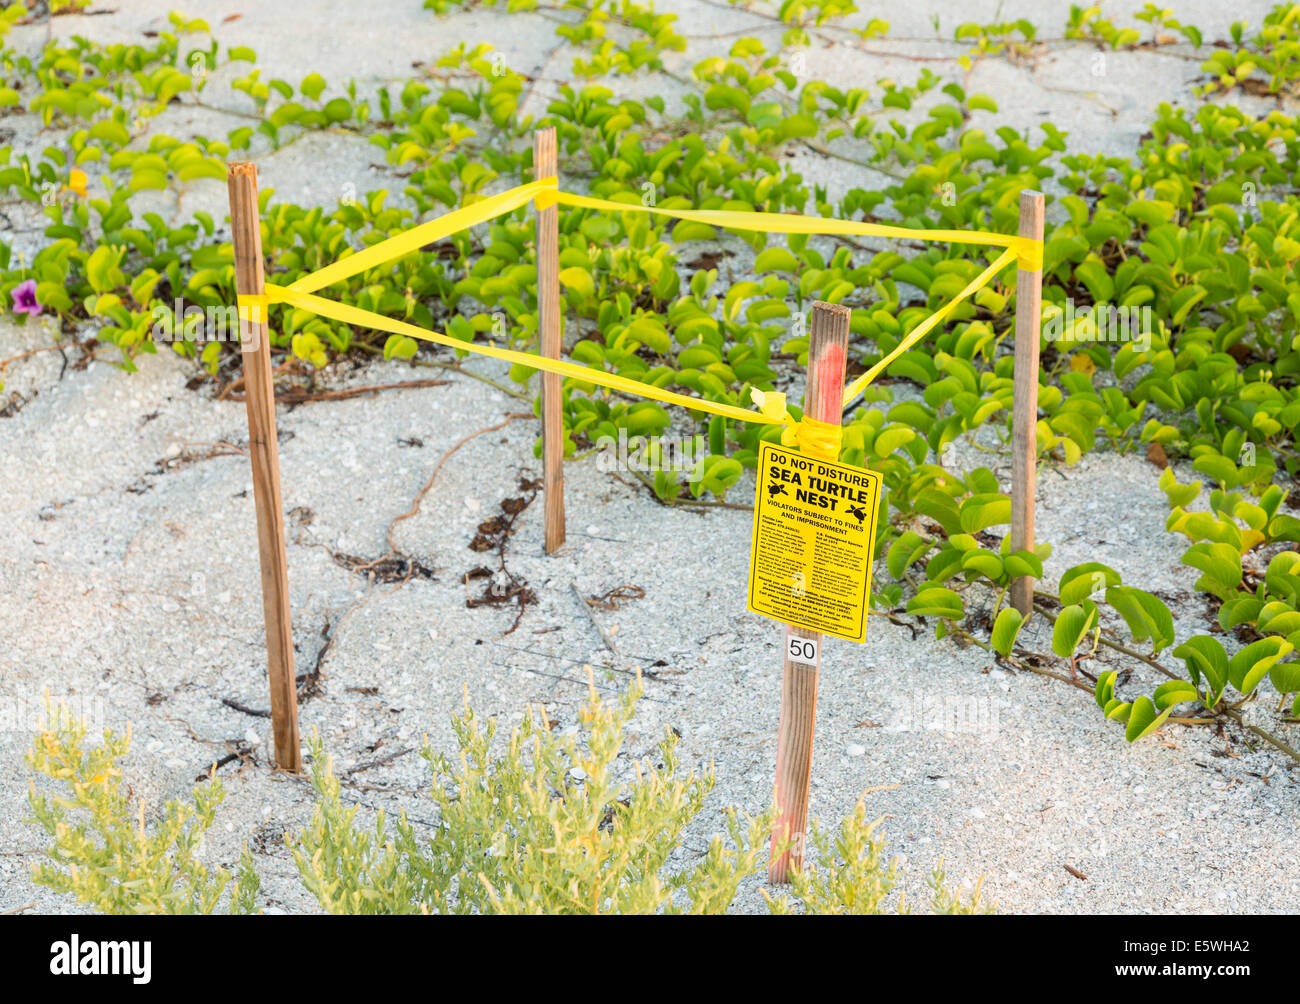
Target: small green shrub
x,y
103,856
554,823
545,827
851,876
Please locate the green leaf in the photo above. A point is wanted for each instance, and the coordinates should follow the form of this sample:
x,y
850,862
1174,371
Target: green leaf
x,y
338,110
579,280
110,131
1094,275
650,331
720,474
1150,212
1178,495
1218,467
1082,581
53,294
1147,616
692,230
1005,630
1072,624
776,260
936,601
667,486
981,511
1105,691
940,508
147,178
1175,692
1278,618
1023,563
1285,677
891,438
1204,657
1221,564
400,347
102,270
1252,663
312,85
798,127
1143,720
984,562
906,549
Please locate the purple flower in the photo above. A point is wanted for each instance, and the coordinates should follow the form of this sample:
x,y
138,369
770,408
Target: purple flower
x,y
24,298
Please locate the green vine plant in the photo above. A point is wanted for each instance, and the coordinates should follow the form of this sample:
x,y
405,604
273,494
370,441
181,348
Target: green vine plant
x,y
556,821
1171,303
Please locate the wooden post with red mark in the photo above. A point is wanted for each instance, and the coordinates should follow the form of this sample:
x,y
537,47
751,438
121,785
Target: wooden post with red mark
x,y
1024,405
827,352
545,165
264,452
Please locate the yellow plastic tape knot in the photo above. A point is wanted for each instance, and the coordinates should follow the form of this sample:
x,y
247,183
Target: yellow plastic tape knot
x,y
548,198
772,405
252,307
820,439
1029,255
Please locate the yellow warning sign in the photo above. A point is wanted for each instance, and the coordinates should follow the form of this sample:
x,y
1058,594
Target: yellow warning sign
x,y
814,538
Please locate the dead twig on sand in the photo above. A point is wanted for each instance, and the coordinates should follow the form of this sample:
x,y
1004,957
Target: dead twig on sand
x,y
302,395
586,608
370,764
245,709
4,363
419,497
612,599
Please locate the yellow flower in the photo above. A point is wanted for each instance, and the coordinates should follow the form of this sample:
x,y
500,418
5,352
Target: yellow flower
x,y
77,182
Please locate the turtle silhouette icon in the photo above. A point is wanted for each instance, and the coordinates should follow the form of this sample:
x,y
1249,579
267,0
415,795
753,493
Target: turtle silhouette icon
x,y
777,489
857,512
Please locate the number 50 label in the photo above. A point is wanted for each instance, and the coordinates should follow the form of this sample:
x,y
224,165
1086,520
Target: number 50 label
x,y
802,650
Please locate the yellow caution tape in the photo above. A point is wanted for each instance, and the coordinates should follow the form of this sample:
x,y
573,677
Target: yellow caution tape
x,y
545,193
422,235
1027,251
819,438
253,307
800,431
922,329
1029,255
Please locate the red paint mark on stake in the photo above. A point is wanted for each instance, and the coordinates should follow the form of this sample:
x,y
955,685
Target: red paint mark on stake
x,y
830,385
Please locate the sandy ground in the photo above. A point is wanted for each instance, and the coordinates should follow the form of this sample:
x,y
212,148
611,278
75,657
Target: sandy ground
x,y
130,569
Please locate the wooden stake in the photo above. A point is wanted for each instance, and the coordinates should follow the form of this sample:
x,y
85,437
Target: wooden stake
x,y
264,450
1024,409
827,351
545,165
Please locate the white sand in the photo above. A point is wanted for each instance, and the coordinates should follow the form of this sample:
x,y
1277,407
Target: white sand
x,y
132,581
